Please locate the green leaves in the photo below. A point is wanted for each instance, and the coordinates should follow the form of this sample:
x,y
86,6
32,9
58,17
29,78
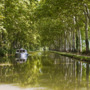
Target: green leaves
x,y
34,23
2,17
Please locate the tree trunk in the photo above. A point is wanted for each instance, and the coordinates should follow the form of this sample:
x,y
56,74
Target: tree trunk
x,y
78,37
65,42
73,36
86,28
73,41
86,35
70,44
80,40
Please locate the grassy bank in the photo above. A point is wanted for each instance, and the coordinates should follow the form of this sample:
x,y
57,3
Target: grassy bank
x,y
76,56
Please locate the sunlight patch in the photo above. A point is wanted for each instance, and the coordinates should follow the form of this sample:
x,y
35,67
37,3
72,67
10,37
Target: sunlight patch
x,y
10,87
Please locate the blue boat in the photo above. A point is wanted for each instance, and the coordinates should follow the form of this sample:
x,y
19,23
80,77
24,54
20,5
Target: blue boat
x,y
22,53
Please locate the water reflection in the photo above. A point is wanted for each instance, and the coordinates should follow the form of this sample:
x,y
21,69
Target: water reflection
x,y
49,72
21,59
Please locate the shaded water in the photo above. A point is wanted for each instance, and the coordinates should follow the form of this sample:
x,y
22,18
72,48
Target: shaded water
x,y
46,71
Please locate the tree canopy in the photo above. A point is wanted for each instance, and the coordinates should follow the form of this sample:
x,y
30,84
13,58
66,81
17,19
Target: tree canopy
x,y
58,24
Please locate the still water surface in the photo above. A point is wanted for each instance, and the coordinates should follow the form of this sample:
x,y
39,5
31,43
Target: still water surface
x,y
45,71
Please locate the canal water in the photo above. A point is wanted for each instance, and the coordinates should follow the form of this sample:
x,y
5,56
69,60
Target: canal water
x,y
44,71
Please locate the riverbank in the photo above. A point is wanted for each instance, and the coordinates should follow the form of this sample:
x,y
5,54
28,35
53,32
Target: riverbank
x,y
72,55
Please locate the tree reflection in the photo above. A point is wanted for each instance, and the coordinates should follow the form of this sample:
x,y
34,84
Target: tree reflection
x,y
23,74
87,76
55,72
65,74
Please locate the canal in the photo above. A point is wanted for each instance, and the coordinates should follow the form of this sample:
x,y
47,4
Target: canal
x,y
44,71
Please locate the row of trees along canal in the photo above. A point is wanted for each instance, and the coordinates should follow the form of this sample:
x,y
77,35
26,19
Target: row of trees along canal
x,y
58,24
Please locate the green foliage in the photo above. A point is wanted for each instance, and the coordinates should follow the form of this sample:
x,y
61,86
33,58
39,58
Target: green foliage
x,y
79,57
32,24
3,51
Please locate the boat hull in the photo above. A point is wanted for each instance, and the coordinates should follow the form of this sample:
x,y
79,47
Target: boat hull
x,y
21,55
